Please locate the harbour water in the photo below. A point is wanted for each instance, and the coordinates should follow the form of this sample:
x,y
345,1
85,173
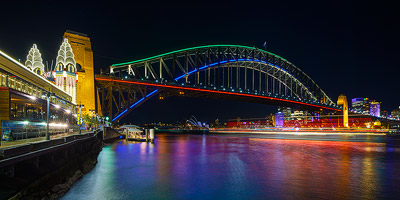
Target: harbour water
x,y
238,166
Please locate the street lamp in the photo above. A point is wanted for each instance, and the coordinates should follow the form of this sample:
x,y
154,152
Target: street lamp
x,y
80,117
91,113
26,129
47,96
97,120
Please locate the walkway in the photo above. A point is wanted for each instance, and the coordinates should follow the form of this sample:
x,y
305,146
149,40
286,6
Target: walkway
x,y
5,144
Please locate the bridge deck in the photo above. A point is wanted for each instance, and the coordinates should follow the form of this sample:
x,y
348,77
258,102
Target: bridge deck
x,y
206,92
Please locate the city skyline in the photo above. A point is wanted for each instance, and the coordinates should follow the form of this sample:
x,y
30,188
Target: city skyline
x,y
346,59
199,100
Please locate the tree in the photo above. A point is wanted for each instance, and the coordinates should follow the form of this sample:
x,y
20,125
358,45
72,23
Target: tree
x,y
87,119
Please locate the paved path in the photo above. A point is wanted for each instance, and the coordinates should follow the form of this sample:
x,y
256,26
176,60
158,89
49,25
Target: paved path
x,y
5,144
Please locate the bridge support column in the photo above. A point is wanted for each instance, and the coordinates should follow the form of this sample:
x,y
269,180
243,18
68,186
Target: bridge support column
x,y
342,101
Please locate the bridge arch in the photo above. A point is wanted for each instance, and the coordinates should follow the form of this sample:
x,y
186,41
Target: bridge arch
x,y
231,67
264,71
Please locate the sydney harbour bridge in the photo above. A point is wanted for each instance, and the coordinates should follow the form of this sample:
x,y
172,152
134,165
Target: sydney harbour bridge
x,y
216,71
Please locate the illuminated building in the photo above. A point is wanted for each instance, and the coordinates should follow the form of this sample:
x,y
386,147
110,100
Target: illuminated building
x,y
384,113
74,70
34,60
286,112
22,87
279,119
366,106
22,101
66,70
252,122
357,104
299,115
396,113
375,108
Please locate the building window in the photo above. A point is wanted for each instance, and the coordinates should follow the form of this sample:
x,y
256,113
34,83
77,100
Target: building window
x,y
79,67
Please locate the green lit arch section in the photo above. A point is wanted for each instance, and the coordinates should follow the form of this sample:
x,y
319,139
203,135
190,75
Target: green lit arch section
x,y
180,65
194,48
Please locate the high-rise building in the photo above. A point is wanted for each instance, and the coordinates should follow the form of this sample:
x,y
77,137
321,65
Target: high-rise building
x,y
286,112
375,108
396,113
366,106
384,113
279,119
357,104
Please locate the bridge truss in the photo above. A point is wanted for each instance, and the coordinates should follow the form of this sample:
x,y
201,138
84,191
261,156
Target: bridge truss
x,y
233,69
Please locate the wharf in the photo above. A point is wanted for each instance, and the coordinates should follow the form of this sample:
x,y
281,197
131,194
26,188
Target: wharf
x,y
6,144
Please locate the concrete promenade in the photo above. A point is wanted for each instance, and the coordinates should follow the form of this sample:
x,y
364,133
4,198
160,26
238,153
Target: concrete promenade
x,y
6,144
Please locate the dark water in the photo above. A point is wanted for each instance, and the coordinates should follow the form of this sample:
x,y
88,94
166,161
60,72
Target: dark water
x,y
236,167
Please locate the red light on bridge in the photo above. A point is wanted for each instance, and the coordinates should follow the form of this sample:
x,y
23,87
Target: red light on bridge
x,y
213,91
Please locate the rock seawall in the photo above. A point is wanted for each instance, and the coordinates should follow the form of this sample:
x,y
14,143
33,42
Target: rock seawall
x,y
55,183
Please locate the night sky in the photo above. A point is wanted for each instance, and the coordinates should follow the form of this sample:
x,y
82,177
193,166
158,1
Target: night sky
x,y
344,46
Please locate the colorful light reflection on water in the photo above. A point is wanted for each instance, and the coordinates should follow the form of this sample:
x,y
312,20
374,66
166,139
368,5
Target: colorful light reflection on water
x,y
223,167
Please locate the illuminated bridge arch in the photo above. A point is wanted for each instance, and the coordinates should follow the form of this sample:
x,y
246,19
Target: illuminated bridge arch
x,y
227,68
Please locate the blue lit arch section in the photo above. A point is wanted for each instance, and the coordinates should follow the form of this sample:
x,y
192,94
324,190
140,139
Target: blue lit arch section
x,y
177,79
134,105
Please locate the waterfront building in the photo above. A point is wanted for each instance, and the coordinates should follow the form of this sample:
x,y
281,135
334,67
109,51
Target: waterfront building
x,y
279,119
24,89
23,97
366,106
396,113
268,121
375,108
384,113
287,112
299,115
357,104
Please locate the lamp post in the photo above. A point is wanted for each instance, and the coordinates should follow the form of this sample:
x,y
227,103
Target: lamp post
x,y
48,117
91,115
91,127
92,112
80,118
47,96
96,121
